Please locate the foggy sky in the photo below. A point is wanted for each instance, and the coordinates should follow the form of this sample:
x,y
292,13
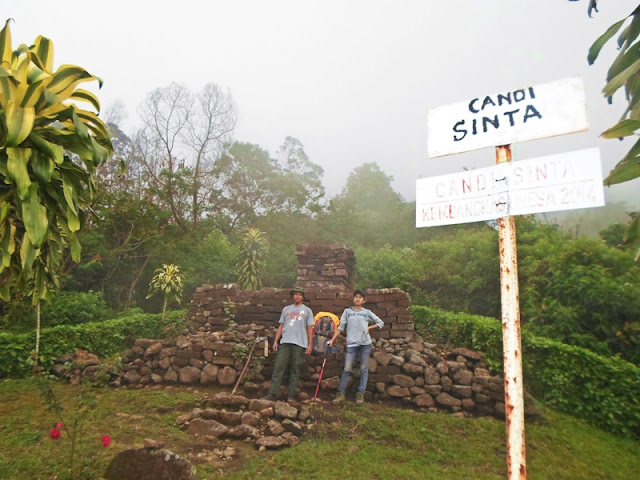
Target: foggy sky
x,y
352,80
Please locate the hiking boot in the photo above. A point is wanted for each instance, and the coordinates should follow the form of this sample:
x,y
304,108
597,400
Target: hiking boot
x,y
339,398
359,398
269,396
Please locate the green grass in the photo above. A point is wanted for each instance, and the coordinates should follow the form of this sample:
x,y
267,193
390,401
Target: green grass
x,y
372,442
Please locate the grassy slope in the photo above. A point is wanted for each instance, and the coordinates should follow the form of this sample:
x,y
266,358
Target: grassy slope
x,y
373,442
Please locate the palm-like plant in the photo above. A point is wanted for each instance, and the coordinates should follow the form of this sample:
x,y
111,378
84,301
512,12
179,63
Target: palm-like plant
x,y
253,259
169,281
49,148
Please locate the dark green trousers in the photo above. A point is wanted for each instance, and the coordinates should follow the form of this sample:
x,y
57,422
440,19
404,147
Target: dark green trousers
x,y
290,357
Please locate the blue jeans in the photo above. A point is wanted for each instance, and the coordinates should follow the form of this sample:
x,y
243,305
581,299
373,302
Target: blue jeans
x,y
349,360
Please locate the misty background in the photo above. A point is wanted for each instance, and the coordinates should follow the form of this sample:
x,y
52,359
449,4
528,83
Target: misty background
x,y
351,80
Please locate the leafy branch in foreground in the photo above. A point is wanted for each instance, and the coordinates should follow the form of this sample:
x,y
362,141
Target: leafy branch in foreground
x,y
624,72
49,148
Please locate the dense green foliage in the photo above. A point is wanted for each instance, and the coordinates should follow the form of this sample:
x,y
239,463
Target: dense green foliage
x,y
65,308
101,338
604,391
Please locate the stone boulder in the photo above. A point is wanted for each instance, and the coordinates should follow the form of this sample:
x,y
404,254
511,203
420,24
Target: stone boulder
x,y
188,375
398,391
209,374
149,464
227,376
244,431
285,410
275,427
271,442
293,427
446,400
132,377
209,428
153,349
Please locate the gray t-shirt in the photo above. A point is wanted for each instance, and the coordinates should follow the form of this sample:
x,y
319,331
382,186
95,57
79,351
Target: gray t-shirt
x,y
296,320
357,323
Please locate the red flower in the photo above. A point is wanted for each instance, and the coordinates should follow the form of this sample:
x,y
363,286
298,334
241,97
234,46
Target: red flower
x,y
59,425
106,440
55,433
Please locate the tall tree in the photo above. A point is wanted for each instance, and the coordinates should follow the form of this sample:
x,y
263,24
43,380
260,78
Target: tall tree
x,y
301,188
248,179
369,212
209,129
49,148
182,138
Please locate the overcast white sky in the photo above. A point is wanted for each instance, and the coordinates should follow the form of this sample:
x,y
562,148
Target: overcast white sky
x,y
352,80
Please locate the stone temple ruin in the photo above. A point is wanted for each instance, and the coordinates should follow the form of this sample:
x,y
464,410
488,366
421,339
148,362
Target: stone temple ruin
x,y
224,321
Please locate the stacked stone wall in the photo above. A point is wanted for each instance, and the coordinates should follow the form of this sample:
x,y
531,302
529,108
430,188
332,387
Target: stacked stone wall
x,y
224,322
214,307
412,371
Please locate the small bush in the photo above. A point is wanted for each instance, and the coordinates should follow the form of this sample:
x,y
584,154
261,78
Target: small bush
x,y
101,338
605,391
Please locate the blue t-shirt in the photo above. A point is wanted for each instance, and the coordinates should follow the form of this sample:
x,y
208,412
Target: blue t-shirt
x,y
357,323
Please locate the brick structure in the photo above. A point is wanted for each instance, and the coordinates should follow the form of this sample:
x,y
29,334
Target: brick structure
x,y
326,272
403,365
322,265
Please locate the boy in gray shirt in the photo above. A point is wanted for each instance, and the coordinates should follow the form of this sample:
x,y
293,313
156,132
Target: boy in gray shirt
x,y
358,322
296,332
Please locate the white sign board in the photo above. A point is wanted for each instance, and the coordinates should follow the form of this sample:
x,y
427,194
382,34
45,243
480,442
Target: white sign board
x,y
529,113
558,182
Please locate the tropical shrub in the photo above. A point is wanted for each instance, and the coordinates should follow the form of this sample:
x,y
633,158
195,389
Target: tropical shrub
x,y
169,281
101,338
386,267
580,292
49,147
253,259
604,391
65,308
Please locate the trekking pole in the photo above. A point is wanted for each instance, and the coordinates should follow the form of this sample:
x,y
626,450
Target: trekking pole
x,y
326,350
246,365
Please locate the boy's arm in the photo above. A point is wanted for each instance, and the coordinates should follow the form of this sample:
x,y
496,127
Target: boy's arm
x,y
342,326
310,339
377,322
278,337
336,334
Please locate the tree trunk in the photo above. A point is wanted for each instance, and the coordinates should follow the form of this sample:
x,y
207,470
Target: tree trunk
x,y
135,282
35,358
164,307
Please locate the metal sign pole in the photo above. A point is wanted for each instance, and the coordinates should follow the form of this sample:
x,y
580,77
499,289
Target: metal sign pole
x,y
513,384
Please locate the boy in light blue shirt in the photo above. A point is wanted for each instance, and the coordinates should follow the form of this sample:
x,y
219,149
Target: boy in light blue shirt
x,y
358,322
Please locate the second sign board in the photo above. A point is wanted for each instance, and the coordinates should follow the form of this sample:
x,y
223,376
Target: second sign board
x,y
557,182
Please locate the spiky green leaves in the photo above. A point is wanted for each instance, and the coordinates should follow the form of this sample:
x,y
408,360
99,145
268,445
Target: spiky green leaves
x,y
169,281
44,191
253,259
